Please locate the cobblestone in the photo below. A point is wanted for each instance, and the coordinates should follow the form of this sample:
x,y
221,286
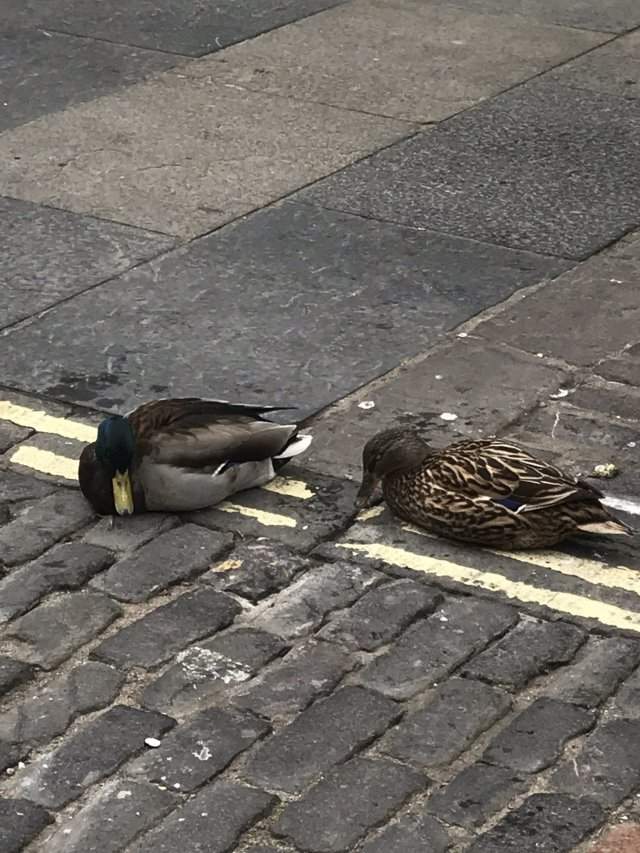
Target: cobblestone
x,y
47,713
326,734
457,712
92,753
381,614
556,822
66,566
475,794
11,434
176,555
211,669
42,525
130,533
289,685
608,766
16,487
303,605
307,522
257,569
168,629
536,737
52,631
410,834
13,673
341,808
627,700
198,750
118,813
604,662
432,648
20,822
529,649
233,807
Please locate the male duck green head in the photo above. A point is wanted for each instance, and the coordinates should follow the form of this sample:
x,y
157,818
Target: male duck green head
x,y
183,454
114,451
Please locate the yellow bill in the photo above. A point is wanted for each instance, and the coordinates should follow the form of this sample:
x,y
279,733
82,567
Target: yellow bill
x,y
122,493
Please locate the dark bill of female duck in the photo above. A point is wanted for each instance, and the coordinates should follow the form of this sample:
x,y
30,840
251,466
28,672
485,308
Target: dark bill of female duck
x,y
183,454
489,492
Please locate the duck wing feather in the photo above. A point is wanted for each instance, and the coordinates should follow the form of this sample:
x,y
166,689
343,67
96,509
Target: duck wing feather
x,y
190,432
514,478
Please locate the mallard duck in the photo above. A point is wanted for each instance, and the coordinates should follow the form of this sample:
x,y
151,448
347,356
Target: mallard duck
x,y
183,454
487,492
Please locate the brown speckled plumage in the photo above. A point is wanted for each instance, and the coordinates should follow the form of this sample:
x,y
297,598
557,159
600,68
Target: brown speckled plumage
x,y
487,492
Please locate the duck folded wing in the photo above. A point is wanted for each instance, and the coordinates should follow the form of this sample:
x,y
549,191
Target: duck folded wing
x,y
238,442
510,476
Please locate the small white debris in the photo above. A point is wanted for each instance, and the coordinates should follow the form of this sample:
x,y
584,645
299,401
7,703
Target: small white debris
x,y
122,795
21,764
367,404
153,742
615,281
631,444
463,335
540,354
438,376
562,392
204,754
605,472
176,785
448,416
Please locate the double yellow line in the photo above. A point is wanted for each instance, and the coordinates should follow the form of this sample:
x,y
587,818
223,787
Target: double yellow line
x,y
593,572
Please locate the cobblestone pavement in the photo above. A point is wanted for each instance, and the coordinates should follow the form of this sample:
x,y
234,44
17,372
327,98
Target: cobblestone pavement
x,y
423,213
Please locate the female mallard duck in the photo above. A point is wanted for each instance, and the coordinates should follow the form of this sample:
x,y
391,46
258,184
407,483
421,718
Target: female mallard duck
x,y
183,454
486,492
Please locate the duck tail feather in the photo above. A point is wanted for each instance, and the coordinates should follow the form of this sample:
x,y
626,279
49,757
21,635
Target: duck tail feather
x,y
297,445
610,527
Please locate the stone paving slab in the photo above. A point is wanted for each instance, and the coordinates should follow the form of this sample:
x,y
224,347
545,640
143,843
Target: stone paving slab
x,y
419,62
233,290
221,153
544,167
479,388
176,27
44,72
598,297
616,16
49,255
614,68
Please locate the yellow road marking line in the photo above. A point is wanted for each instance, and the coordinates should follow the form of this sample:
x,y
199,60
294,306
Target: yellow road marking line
x,y
45,461
270,519
574,605
42,422
290,488
592,571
